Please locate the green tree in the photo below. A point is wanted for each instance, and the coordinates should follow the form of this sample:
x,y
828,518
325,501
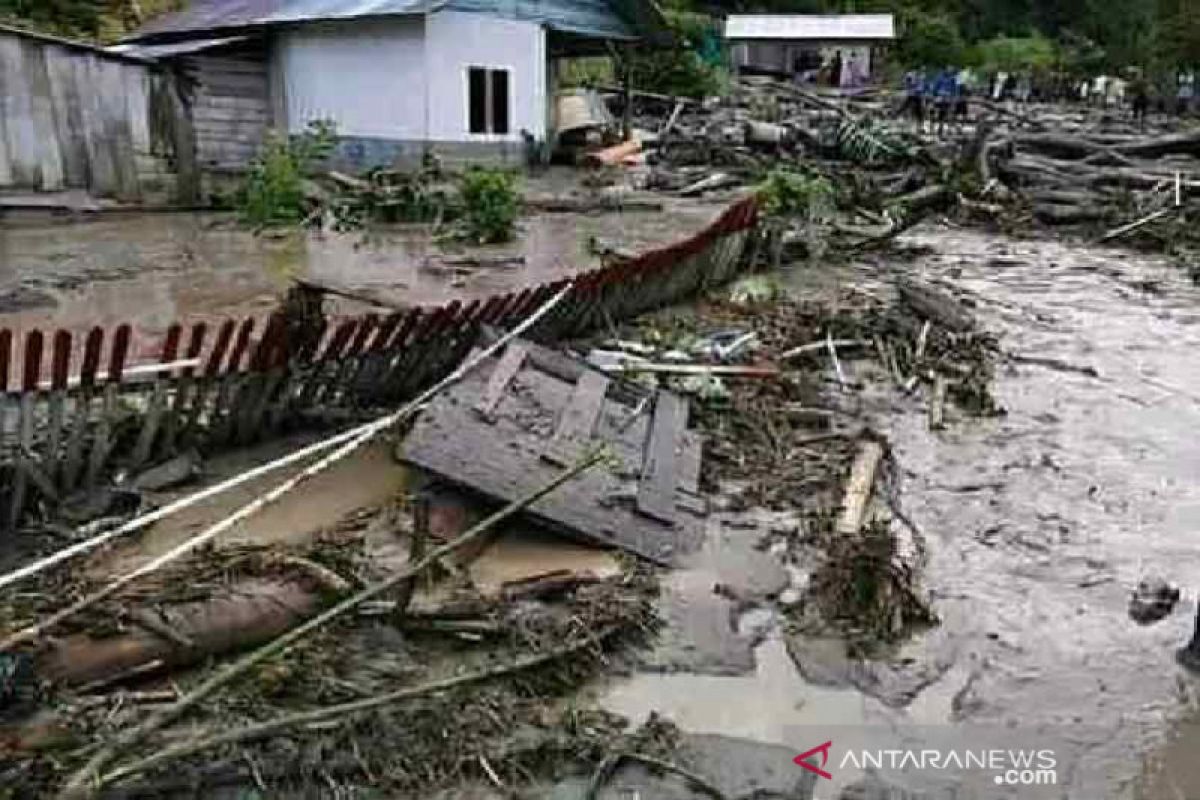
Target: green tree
x,y
929,40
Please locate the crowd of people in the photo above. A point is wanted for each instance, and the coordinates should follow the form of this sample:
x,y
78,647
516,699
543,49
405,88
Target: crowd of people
x,y
943,95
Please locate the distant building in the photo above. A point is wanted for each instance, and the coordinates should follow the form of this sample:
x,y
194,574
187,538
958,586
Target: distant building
x,y
466,79
801,44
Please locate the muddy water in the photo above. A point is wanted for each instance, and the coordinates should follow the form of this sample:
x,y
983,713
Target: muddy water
x,y
1038,525
155,269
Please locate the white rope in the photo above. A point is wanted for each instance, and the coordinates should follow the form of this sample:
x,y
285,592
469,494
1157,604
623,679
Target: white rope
x,y
355,436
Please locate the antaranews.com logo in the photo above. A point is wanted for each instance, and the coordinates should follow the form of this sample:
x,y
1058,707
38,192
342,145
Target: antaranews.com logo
x,y
1020,767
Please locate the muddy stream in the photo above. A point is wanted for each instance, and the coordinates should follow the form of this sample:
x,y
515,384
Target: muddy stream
x,y
1037,524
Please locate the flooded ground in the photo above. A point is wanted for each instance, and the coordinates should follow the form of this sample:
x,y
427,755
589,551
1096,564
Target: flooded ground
x,y
156,269
1038,524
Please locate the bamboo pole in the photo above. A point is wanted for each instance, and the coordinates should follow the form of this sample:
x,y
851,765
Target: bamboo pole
x,y
88,779
263,730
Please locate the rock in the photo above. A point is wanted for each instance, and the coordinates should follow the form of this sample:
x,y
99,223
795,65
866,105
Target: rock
x,y
180,469
1152,600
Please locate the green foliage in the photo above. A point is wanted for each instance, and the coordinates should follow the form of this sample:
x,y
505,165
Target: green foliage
x,y
1034,52
273,192
103,20
490,205
866,141
787,193
929,40
680,70
586,71
788,196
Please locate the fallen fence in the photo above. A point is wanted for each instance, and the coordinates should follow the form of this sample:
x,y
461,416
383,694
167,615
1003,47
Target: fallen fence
x,y
93,414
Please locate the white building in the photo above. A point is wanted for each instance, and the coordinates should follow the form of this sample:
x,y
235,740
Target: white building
x,y
467,79
791,44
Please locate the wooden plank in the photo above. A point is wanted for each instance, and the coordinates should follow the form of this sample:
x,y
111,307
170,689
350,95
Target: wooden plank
x,y
31,368
578,419
264,380
152,420
656,491
102,443
120,351
503,373
16,508
83,406
179,419
6,345
59,372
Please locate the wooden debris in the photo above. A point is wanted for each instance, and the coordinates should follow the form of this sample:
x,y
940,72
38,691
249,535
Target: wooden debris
x,y
937,403
859,488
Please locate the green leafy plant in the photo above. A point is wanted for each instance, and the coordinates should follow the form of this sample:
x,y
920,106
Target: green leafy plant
x,y
788,193
274,191
866,141
789,197
490,205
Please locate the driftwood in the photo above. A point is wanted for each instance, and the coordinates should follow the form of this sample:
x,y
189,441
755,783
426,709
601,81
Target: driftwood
x,y
937,404
273,727
859,488
88,778
936,306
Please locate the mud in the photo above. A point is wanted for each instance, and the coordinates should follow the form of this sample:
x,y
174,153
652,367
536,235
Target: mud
x,y
154,269
1039,523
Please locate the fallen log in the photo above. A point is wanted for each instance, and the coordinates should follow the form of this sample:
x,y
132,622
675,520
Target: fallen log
x,y
585,205
247,614
1055,214
936,306
713,182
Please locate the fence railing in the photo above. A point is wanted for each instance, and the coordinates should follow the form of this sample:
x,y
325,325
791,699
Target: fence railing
x,y
72,413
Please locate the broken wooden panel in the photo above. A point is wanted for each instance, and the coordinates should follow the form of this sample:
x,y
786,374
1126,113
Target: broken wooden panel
x,y
578,419
551,411
660,479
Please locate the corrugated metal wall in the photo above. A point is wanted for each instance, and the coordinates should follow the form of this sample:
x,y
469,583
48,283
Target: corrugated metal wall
x,y
74,118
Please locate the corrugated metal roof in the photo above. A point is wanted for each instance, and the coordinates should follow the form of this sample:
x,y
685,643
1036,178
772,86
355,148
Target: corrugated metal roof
x,y
819,27
599,18
207,16
175,48
72,44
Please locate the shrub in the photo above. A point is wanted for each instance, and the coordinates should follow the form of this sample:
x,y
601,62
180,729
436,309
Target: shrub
x,y
273,192
490,205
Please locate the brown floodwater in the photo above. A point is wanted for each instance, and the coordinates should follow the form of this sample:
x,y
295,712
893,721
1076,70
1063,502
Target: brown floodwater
x,y
156,269
1037,524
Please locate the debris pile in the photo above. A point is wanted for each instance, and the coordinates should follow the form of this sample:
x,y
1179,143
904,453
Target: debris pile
x,y
776,382
1069,178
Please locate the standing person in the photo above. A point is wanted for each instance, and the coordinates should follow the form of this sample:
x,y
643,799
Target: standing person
x,y
913,101
835,69
1185,93
1024,88
1139,89
945,90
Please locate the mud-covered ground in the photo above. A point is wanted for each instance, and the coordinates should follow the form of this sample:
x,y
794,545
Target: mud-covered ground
x,y
153,269
1031,528
1036,524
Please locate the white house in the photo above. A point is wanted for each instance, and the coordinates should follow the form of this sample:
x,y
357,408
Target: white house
x,y
788,44
467,79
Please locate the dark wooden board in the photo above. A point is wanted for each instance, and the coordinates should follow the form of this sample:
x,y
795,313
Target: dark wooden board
x,y
503,373
656,492
578,419
503,459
